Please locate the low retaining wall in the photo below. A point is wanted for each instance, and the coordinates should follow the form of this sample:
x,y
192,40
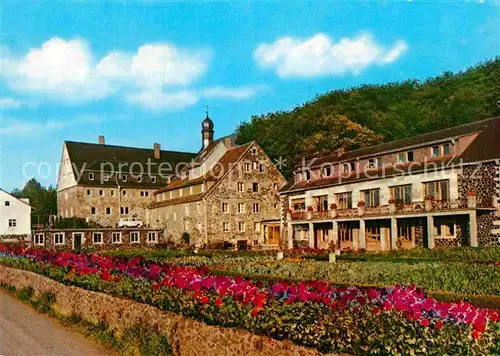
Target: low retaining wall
x,y
186,336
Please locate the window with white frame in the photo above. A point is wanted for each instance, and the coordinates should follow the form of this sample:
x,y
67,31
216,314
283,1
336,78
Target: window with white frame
x,y
371,197
441,150
256,207
39,239
241,226
89,192
255,165
135,237
326,171
247,167
241,207
152,236
256,226
97,238
116,237
59,238
225,226
241,187
438,190
346,168
225,207
91,176
12,222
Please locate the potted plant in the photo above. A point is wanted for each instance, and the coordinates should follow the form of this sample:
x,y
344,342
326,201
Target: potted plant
x,y
361,207
392,205
428,202
471,200
333,210
309,212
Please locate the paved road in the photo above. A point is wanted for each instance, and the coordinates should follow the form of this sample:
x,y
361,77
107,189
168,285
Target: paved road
x,y
23,331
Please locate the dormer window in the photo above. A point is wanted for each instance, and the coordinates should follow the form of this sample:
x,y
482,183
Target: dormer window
x,y
405,157
441,150
346,168
374,163
326,171
91,176
307,175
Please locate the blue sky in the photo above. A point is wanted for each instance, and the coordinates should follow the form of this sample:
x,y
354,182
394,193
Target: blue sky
x,y
140,73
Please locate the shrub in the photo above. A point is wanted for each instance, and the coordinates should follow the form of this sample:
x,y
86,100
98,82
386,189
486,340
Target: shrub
x,y
26,293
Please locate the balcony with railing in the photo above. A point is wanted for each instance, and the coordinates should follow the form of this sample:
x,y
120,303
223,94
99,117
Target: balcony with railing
x,y
426,206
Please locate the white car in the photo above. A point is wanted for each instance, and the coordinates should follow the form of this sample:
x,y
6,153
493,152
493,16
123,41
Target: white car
x,y
130,222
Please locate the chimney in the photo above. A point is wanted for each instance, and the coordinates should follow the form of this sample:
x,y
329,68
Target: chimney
x,y
101,139
227,143
157,150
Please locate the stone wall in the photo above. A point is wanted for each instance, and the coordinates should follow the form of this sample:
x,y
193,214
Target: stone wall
x,y
75,202
484,227
88,238
479,179
226,191
186,336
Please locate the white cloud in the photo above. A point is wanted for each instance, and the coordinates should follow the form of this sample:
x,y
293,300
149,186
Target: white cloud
x,y
9,103
18,127
157,99
232,93
320,55
68,70
165,101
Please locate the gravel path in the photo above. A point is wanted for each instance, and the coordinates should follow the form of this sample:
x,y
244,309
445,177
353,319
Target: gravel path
x,y
23,331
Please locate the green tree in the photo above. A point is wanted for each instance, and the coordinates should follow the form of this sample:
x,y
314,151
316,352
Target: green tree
x,y
43,200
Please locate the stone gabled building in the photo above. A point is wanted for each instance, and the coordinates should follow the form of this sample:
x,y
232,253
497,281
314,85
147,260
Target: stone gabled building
x,y
228,193
433,190
103,183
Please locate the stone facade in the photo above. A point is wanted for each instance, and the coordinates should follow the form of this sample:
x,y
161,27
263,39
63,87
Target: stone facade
x,y
104,205
238,205
187,337
266,197
96,238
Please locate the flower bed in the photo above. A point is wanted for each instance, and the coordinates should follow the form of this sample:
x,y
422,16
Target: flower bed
x,y
315,314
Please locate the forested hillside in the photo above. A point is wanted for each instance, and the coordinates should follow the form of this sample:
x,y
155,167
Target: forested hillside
x,y
369,114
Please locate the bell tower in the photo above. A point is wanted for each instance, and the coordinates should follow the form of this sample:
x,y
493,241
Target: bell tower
x,y
207,131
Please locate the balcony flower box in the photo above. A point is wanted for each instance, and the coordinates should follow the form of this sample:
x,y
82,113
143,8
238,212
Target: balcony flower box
x,y
428,202
309,212
471,200
333,210
361,208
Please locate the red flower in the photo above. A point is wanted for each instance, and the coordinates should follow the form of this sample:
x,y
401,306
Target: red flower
x,y
255,311
204,299
439,324
479,327
155,286
218,302
106,276
476,334
425,322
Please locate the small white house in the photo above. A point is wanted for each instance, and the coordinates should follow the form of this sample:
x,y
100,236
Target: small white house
x,y
15,215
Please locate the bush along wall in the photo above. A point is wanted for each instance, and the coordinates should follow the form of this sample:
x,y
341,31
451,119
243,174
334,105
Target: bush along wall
x,y
400,319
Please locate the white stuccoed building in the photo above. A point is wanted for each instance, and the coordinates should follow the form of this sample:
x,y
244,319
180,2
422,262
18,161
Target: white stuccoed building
x,y
15,217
